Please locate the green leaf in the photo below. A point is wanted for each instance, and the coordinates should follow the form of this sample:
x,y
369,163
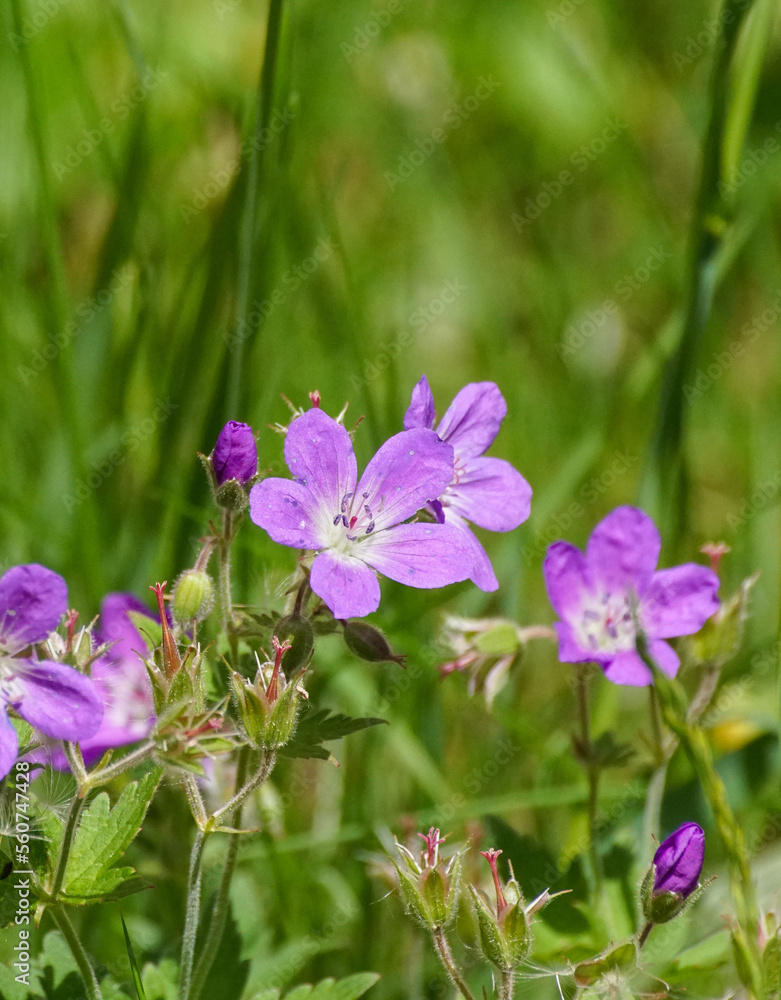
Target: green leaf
x,y
161,981
329,989
315,727
150,629
228,975
133,963
103,836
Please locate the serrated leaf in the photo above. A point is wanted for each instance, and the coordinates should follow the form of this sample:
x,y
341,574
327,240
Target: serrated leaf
x,y
349,988
103,836
318,726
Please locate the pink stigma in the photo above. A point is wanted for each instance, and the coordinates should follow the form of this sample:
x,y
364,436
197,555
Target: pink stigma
x,y
491,857
432,841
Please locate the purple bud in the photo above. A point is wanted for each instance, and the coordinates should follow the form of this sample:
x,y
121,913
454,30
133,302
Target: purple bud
x,y
678,861
235,454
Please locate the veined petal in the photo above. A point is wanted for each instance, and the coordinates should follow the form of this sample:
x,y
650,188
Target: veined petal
x,y
623,551
32,601
567,579
420,555
56,699
408,470
420,412
346,584
679,600
288,511
320,456
9,743
473,419
491,493
483,575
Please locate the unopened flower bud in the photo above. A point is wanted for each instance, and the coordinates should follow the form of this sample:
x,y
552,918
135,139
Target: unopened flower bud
x,y
269,705
369,643
193,597
235,454
505,933
430,889
674,875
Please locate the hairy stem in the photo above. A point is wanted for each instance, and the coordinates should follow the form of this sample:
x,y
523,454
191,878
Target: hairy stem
x,y
265,768
68,836
106,774
68,931
445,956
506,983
192,913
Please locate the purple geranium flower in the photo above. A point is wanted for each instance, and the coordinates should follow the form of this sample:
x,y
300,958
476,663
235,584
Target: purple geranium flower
x,y
489,492
55,699
603,595
235,454
356,526
121,678
678,861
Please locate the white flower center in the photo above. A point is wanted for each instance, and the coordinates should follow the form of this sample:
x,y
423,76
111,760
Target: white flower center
x,y
608,624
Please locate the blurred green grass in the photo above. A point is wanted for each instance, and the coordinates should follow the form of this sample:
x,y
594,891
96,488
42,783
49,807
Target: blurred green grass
x,y
121,211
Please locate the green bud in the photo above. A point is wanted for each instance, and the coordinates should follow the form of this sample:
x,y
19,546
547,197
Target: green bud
x,y
268,724
414,903
232,495
500,640
491,940
434,889
516,933
193,597
369,643
301,636
664,906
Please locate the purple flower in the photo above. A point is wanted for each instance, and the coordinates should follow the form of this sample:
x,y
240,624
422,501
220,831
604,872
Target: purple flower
x,y
489,492
55,699
678,861
121,678
235,454
357,529
603,595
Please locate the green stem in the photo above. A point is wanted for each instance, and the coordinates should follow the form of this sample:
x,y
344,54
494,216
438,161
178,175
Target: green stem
x,y
192,913
247,239
445,956
264,770
592,771
643,937
68,835
106,774
695,744
506,984
221,902
68,931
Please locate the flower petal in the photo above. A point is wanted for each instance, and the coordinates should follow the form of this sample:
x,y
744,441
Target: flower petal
x,y
408,470
664,656
420,555
567,578
573,651
420,412
117,627
679,600
483,575
128,707
9,743
32,601
58,700
473,419
320,456
678,860
628,668
491,493
623,551
288,512
346,584
235,454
